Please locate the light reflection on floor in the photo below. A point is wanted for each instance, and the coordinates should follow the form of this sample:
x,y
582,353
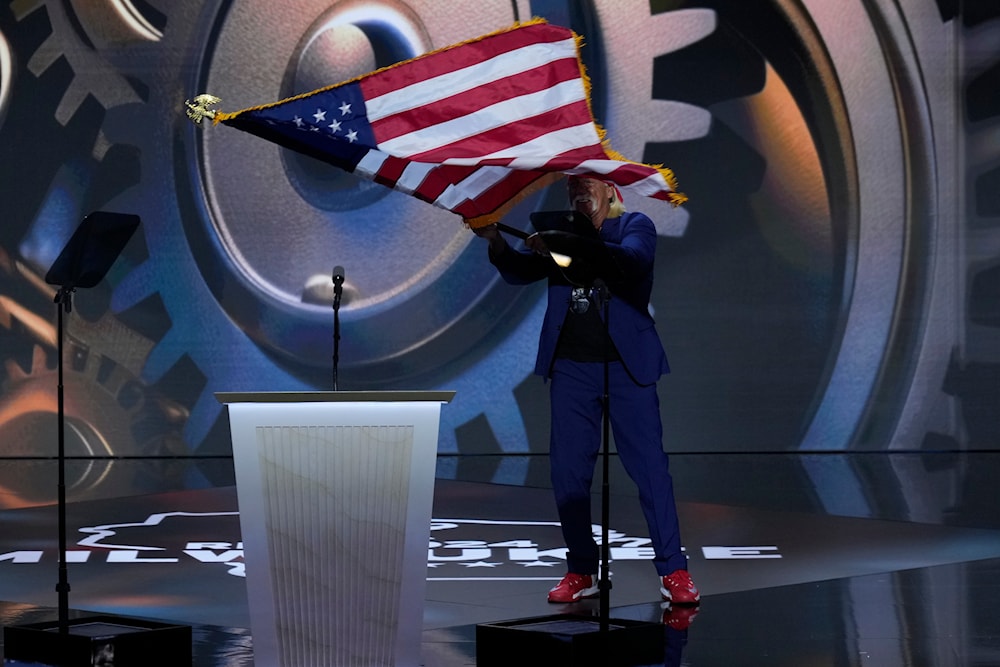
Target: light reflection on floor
x,y
882,589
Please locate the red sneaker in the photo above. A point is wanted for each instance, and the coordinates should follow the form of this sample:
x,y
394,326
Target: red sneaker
x,y
678,588
574,587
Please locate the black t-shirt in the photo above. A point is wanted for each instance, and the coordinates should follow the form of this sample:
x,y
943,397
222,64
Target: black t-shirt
x,y
583,336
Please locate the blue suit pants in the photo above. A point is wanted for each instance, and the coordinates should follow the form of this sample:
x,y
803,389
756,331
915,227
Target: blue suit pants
x,y
576,391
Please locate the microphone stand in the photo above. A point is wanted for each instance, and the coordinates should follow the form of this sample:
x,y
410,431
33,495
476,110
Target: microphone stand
x,y
602,296
590,262
338,291
591,267
64,303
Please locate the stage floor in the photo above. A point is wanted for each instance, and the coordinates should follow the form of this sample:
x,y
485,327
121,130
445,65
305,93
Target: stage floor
x,y
790,575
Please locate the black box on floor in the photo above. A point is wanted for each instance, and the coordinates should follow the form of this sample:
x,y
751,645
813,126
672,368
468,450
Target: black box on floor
x,y
569,641
99,640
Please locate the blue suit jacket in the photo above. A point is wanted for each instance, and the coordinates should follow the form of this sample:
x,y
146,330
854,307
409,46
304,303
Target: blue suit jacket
x,y
631,241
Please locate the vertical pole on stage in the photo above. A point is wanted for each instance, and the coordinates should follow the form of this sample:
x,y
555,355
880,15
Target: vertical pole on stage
x,y
83,262
64,304
603,298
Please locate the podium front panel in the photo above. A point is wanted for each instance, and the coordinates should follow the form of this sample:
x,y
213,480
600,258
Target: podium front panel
x,y
335,506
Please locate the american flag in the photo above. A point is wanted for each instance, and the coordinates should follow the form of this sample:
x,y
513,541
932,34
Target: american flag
x,y
471,128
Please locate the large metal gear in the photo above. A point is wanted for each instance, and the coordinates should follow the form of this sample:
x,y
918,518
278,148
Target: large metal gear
x,y
110,414
283,334
885,135
86,37
412,273
439,261
224,293
973,376
832,256
214,232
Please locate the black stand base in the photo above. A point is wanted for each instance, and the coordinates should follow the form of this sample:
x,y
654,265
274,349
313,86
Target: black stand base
x,y
99,640
569,641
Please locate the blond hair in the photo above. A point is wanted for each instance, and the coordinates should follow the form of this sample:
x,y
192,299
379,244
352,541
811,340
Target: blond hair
x,y
617,207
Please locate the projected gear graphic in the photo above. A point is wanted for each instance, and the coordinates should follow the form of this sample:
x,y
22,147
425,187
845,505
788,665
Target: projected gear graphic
x,y
85,39
875,371
292,334
691,85
873,208
430,259
412,273
190,309
108,411
973,376
887,220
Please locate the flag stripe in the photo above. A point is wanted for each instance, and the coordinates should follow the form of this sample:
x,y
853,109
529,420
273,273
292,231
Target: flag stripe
x,y
534,152
440,179
412,179
549,85
369,165
422,93
547,132
496,194
624,174
390,171
472,186
539,37
428,182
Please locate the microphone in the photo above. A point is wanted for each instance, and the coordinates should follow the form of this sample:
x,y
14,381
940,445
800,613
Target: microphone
x,y
338,281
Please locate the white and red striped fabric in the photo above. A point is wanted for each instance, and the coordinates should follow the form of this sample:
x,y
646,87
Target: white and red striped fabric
x,y
471,128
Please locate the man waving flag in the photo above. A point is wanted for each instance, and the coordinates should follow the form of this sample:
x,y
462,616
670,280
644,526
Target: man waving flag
x,y
472,128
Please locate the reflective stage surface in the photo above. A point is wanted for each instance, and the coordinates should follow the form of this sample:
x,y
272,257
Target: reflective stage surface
x,y
788,574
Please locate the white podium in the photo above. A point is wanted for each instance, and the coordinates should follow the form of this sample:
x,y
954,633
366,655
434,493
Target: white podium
x,y
335,491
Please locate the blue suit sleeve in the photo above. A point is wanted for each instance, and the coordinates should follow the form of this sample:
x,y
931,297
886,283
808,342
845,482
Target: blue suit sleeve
x,y
521,267
635,250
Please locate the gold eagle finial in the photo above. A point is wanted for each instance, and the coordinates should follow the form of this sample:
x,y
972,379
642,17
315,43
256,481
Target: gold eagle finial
x,y
199,109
